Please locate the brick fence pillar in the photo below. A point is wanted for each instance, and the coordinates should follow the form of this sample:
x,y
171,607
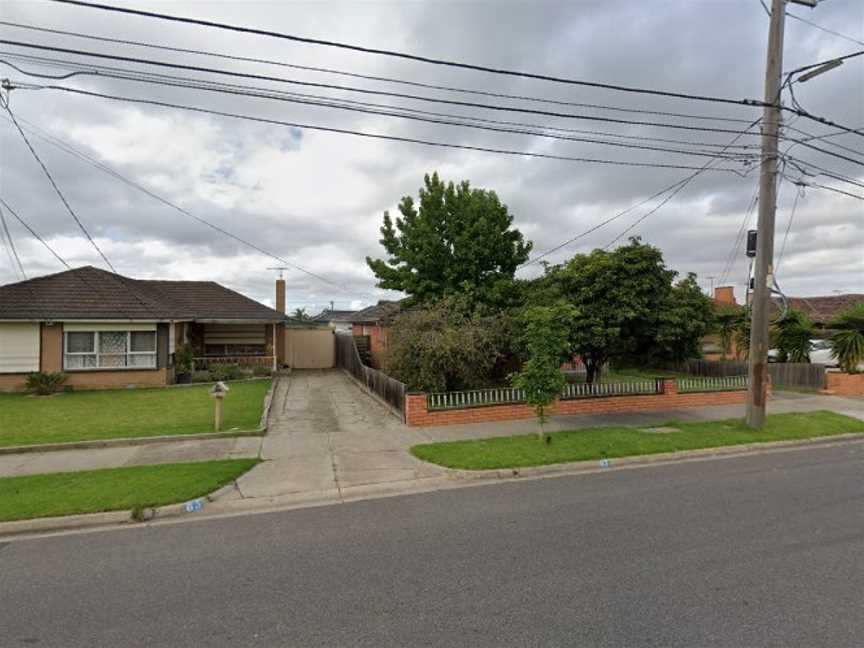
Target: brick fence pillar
x,y
670,386
415,408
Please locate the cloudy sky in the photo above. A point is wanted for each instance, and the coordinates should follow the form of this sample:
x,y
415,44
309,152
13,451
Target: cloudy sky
x,y
316,198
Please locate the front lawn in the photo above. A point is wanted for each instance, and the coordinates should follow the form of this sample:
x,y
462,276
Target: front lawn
x,y
115,489
609,442
127,413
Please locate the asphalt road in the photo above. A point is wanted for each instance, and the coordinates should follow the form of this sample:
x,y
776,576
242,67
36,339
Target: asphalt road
x,y
756,551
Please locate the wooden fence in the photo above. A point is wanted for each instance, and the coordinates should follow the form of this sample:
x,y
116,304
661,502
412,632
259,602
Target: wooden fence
x,y
789,374
379,383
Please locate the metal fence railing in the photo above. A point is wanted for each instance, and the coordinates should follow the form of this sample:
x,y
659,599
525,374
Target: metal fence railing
x,y
379,383
726,383
599,390
512,395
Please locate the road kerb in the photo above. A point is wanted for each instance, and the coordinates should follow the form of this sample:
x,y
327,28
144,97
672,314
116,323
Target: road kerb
x,y
218,508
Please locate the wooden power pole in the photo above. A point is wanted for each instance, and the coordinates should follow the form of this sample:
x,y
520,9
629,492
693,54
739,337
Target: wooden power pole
x,y
764,273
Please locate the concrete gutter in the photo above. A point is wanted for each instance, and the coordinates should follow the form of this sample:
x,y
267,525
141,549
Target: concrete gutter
x,y
224,502
139,441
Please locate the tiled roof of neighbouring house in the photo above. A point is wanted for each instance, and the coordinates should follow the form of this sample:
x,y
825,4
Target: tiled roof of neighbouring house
x,y
382,312
334,316
821,310
91,293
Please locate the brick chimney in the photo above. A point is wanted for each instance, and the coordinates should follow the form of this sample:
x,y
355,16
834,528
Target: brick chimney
x,y
280,295
725,295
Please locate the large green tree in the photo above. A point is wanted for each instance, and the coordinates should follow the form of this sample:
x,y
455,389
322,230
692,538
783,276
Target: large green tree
x,y
456,239
620,296
684,320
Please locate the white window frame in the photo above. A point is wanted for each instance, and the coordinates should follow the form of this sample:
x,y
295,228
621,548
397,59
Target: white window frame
x,y
96,345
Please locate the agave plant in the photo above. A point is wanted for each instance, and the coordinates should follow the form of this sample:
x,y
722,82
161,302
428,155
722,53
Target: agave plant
x,y
792,337
847,343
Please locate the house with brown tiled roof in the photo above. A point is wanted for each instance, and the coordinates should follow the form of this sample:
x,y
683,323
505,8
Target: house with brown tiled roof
x,y
822,310
105,330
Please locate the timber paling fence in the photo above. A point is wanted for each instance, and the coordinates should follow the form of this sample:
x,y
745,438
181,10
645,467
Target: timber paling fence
x,y
379,383
790,374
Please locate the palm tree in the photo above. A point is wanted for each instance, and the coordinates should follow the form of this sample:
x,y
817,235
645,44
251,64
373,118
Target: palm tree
x,y
792,336
847,343
741,334
724,323
300,314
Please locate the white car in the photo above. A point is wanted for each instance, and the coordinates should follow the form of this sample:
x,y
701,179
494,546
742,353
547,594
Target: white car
x,y
820,353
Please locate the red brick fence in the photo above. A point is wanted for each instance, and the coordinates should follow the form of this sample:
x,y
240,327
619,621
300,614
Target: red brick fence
x,y
507,404
844,384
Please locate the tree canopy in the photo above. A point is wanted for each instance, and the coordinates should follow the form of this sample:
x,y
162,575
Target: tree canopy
x,y
457,240
627,306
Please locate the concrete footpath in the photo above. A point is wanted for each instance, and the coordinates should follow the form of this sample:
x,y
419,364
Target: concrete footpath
x,y
34,463
329,440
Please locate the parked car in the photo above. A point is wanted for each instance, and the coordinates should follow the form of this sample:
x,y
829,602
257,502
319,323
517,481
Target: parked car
x,y
820,353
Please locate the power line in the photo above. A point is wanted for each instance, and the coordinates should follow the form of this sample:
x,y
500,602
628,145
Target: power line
x,y
400,95
447,120
835,189
33,233
56,188
739,237
368,77
339,103
825,29
396,138
674,188
600,224
10,247
68,148
786,233
407,56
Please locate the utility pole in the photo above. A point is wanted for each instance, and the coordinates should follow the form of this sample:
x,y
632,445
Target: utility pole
x,y
764,275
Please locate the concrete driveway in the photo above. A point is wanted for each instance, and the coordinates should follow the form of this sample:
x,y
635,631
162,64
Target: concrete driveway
x,y
326,434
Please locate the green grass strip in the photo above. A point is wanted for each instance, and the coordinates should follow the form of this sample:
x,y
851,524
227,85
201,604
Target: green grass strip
x,y
93,491
611,442
125,414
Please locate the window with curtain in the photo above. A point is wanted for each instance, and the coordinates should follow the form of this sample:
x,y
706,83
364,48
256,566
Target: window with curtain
x,y
110,349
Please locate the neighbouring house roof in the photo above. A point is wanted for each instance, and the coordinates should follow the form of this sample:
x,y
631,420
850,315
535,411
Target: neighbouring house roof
x,y
88,293
821,310
334,316
381,313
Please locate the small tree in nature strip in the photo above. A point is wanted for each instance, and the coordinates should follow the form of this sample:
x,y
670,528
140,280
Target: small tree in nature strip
x,y
546,337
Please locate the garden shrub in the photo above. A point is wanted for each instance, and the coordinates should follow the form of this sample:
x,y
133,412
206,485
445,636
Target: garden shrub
x,y
201,377
45,383
224,371
262,371
445,347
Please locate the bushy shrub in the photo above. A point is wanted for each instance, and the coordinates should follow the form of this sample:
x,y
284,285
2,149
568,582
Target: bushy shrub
x,y
201,377
444,347
262,371
224,371
45,383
